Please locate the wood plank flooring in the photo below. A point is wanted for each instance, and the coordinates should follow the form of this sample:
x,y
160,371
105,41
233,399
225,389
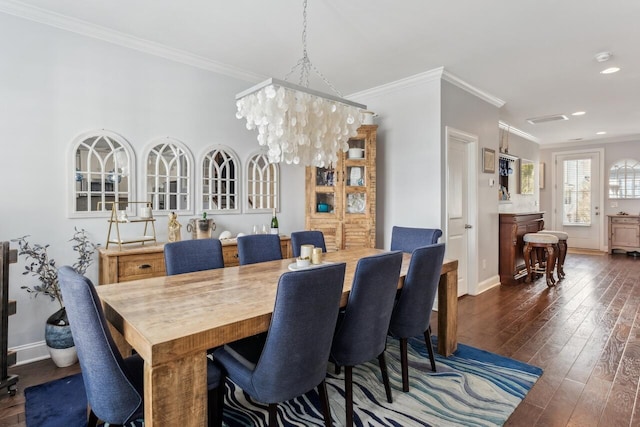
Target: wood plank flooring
x,y
584,333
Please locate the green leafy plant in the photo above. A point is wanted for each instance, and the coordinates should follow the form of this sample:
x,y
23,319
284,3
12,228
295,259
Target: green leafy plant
x,y
40,265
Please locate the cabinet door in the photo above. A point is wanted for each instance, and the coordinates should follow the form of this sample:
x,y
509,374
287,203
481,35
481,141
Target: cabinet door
x,y
324,192
331,231
625,234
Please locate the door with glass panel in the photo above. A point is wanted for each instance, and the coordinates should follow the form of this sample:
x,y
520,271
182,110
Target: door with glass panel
x,y
577,200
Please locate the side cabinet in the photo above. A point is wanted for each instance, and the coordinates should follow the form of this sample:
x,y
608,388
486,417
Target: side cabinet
x,y
624,233
341,198
513,226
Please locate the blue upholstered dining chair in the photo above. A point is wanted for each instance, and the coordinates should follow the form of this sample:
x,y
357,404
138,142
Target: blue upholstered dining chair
x,y
114,385
187,256
309,237
406,239
412,312
293,357
258,248
361,334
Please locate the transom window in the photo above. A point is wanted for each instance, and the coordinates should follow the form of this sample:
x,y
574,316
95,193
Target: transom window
x,y
168,177
220,185
624,180
262,184
103,175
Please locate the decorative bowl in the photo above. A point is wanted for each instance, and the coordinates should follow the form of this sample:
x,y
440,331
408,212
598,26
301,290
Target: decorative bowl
x,y
302,262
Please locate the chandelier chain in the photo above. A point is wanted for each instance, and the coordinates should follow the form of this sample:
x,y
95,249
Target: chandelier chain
x,y
304,63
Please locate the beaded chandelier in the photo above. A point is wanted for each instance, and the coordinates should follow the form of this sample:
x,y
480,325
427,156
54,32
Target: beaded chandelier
x,y
299,125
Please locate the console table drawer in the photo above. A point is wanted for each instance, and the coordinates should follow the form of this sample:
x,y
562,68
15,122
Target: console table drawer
x,y
134,267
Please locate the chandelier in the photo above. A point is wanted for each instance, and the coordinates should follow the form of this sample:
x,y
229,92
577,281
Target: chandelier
x,y
297,124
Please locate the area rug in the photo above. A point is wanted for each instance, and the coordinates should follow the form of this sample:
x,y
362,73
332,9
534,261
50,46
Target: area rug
x,y
471,388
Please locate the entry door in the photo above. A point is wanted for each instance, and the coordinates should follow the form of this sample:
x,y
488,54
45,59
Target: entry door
x,y
577,207
459,228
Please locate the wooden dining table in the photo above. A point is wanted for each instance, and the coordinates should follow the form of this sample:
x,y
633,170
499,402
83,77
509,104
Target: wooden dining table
x,y
172,321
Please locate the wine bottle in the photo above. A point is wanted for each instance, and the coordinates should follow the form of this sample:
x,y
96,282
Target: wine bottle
x,y
274,223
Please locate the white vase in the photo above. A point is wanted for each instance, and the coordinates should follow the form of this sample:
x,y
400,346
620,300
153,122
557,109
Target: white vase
x,y
57,335
63,357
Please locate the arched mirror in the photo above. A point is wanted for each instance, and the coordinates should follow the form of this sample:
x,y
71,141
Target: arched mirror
x,y
220,181
168,176
262,184
624,179
103,163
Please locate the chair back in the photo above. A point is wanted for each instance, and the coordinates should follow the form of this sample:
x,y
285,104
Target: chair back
x,y
412,312
108,384
187,256
310,237
258,248
362,331
406,239
294,357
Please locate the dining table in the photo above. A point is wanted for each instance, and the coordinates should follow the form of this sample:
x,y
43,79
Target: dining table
x,y
172,321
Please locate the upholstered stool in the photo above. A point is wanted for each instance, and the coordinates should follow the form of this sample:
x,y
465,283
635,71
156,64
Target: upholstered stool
x,y
549,244
562,250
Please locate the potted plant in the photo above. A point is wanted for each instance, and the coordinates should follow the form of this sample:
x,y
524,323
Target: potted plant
x,y
39,264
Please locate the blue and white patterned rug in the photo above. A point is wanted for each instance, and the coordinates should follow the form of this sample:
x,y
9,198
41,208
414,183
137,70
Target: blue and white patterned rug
x,y
471,388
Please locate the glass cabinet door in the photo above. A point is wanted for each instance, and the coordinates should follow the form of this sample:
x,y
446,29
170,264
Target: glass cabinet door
x,y
356,178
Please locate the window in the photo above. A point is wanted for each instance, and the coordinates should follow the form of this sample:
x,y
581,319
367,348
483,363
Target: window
x,y
220,186
168,177
103,175
262,184
577,192
624,180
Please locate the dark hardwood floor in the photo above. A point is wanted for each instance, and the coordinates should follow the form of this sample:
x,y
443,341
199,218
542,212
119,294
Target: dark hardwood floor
x,y
584,333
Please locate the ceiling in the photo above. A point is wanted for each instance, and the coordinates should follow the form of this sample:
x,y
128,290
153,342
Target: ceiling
x,y
537,56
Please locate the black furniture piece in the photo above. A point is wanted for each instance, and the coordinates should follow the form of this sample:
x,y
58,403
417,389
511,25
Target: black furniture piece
x,y
7,308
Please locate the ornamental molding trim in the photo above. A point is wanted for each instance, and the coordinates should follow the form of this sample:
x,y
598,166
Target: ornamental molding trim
x,y
43,16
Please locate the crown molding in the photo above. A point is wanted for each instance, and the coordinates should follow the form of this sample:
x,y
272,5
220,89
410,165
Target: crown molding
x,y
36,14
407,82
515,131
428,76
43,16
486,96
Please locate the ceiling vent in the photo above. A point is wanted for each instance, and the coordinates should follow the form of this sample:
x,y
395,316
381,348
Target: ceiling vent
x,y
545,119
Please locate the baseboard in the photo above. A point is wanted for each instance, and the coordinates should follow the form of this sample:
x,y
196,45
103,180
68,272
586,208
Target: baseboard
x,y
32,352
485,285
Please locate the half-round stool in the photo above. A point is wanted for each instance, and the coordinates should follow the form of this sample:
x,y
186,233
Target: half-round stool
x,y
562,249
546,242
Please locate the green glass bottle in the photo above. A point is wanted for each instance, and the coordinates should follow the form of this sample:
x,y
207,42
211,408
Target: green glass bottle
x,y
274,223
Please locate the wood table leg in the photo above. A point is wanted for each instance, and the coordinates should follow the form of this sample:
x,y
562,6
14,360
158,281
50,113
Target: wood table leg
x,y
448,312
175,393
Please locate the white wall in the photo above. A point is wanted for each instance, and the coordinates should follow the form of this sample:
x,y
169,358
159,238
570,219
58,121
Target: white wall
x,y
408,154
468,113
55,85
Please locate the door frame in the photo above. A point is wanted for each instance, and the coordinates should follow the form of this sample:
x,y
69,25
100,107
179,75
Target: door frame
x,y
472,201
600,201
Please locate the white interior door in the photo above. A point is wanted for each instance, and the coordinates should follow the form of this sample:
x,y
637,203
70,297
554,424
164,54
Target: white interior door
x,y
578,198
460,230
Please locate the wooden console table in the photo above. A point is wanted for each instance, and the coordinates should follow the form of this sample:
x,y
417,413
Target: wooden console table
x,y
145,262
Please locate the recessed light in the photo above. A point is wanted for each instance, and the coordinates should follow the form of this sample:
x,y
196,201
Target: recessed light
x,y
579,113
601,133
610,70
